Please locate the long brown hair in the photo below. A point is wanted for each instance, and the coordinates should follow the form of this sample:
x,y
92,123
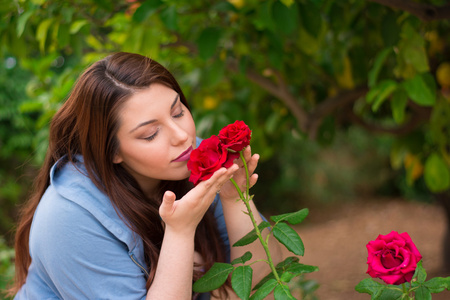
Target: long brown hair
x,y
87,124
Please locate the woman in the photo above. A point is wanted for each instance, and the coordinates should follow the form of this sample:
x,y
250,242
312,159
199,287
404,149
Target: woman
x,y
102,221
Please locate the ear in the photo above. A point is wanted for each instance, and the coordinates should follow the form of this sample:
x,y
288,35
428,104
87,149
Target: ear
x,y
117,158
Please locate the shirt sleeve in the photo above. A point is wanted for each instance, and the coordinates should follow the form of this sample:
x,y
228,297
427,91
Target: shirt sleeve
x,y
79,258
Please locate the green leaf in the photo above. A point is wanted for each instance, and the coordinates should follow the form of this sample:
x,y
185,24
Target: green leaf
x,y
390,29
378,63
77,25
438,284
251,236
41,33
169,17
381,92
391,292
370,287
420,273
241,281
280,268
214,278
398,105
286,19
145,10
412,48
311,18
423,293
264,290
436,173
22,21
282,292
208,41
243,259
421,89
286,277
289,238
298,268
288,3
263,19
292,218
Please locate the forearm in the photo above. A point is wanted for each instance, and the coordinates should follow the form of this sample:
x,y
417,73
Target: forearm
x,y
238,225
173,278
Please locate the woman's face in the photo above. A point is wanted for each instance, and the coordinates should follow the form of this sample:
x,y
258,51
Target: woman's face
x,y
156,135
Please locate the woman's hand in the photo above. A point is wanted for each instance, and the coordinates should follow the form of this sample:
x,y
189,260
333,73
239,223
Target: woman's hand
x,y
228,192
186,213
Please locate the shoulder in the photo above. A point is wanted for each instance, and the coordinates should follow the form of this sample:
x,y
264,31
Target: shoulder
x,y
73,198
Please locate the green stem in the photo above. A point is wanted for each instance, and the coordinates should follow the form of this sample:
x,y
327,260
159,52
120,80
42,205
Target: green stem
x,y
406,292
247,176
246,200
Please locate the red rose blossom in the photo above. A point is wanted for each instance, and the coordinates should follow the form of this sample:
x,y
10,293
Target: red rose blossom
x,y
235,136
209,157
392,258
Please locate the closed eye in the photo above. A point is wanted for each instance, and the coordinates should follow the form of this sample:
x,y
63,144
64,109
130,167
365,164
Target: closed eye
x,y
150,138
180,114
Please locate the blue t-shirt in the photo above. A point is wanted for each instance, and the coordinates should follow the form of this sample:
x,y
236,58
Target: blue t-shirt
x,y
81,248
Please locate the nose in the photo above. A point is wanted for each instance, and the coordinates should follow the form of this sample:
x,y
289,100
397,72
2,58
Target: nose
x,y
179,134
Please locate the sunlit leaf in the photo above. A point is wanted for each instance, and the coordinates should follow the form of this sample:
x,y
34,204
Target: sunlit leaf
x,y
41,33
377,65
421,89
437,173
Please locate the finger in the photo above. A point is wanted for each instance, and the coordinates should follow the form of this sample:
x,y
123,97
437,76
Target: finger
x,y
247,153
225,177
167,205
253,179
253,163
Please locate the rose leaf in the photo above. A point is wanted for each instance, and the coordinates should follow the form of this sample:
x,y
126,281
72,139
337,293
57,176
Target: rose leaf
x,y
438,284
370,286
423,293
420,273
264,290
214,278
251,236
292,218
241,281
282,292
243,259
289,238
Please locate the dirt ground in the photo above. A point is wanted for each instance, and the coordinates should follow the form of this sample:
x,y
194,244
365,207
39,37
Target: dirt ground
x,y
335,239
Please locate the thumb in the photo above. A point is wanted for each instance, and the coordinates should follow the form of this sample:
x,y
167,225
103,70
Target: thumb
x,y
167,205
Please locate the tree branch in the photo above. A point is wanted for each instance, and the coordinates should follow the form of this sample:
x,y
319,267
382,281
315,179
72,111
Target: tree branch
x,y
326,107
280,91
420,115
425,12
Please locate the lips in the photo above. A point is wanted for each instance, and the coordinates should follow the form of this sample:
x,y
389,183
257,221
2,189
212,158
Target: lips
x,y
184,156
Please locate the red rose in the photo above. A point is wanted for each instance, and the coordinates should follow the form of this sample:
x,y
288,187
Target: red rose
x,y
392,258
235,136
209,157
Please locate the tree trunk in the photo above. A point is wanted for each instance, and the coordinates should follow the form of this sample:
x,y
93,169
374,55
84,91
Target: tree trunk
x,y
444,200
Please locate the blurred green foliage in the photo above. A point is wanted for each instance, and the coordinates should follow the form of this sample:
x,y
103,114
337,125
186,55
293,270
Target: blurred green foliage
x,y
302,73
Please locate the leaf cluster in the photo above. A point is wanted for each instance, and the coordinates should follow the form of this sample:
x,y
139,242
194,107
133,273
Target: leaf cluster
x,y
419,288
241,274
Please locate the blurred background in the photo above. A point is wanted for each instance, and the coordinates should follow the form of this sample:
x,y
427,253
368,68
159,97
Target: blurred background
x,y
349,103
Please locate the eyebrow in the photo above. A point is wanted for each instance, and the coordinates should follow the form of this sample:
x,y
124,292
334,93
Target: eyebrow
x,y
154,120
